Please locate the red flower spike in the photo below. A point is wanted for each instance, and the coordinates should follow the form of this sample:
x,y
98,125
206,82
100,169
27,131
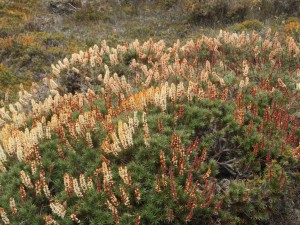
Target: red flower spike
x,y
262,144
268,158
245,197
283,184
250,127
255,110
190,215
160,126
172,184
188,183
208,203
218,206
202,158
255,149
210,191
181,110
98,184
270,174
171,215
137,220
281,175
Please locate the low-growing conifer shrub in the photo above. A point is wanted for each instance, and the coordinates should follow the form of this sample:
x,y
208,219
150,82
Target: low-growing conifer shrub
x,y
202,132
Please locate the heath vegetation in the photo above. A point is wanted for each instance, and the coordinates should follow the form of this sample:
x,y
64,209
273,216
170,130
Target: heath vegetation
x,y
175,127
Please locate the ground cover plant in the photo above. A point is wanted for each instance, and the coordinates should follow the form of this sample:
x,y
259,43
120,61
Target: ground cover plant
x,y
202,132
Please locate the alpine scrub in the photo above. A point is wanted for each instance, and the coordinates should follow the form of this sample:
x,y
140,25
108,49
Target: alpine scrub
x,y
201,133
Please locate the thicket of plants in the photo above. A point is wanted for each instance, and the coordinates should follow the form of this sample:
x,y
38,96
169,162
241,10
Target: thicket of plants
x,y
32,35
237,10
203,132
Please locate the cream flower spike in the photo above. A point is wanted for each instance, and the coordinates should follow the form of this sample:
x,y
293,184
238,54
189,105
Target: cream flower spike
x,y
12,109
53,85
3,157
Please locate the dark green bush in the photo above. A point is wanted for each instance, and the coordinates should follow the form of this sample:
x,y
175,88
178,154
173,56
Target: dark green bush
x,y
91,13
267,8
248,25
218,10
168,3
226,11
292,19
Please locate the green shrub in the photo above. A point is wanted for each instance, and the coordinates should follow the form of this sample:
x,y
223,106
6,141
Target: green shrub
x,y
266,8
168,3
217,10
293,29
205,147
6,77
292,19
91,13
248,25
8,80
233,11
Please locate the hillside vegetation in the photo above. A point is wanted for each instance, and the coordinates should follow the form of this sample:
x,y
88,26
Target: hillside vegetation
x,y
37,33
175,127
203,132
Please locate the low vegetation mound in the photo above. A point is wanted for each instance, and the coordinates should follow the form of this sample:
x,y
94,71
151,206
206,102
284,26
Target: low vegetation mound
x,y
205,132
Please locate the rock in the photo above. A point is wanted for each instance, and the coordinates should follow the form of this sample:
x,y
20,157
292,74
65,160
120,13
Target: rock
x,y
64,6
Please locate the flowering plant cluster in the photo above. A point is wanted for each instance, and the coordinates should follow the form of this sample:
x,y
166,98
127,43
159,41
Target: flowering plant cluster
x,y
201,133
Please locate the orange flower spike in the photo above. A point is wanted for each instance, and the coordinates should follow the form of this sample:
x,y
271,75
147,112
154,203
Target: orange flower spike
x,y
61,153
23,193
207,174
